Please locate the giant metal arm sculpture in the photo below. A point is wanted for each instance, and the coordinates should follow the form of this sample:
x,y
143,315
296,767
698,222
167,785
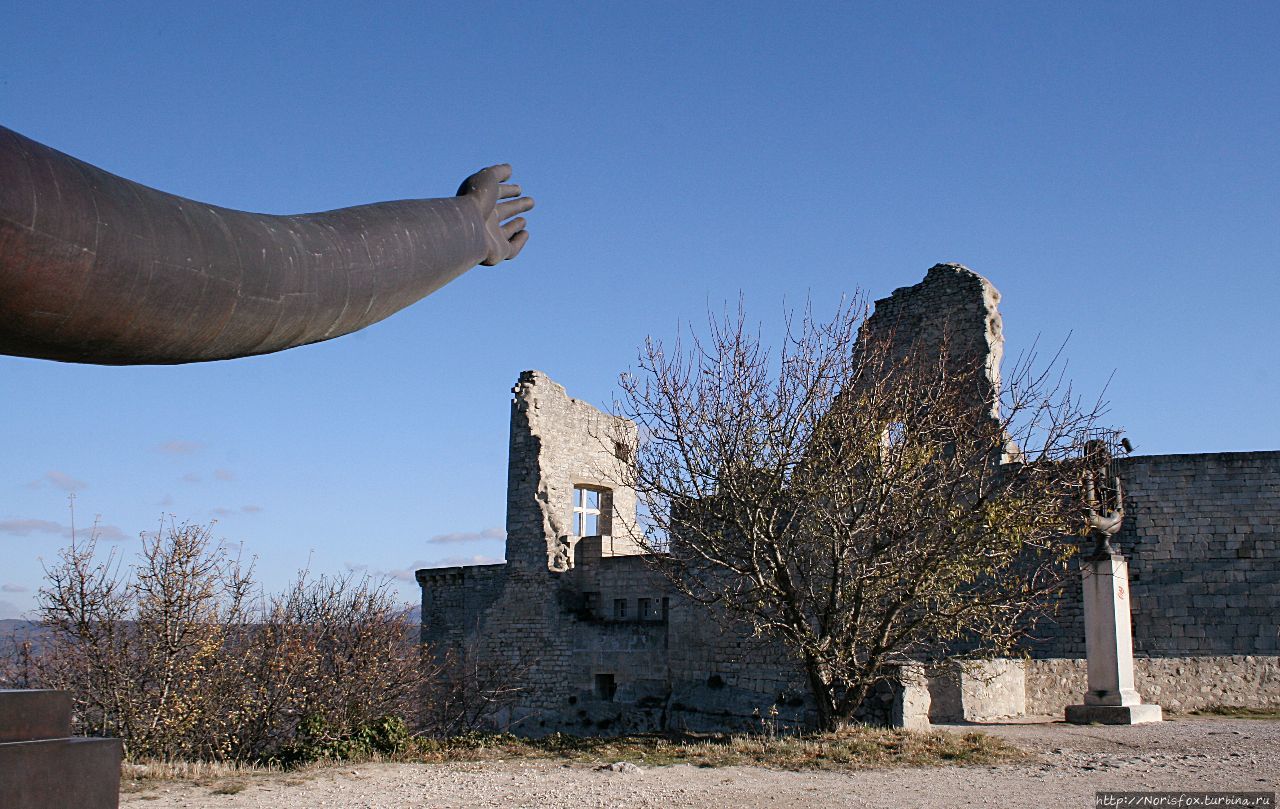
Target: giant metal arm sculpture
x,y
95,268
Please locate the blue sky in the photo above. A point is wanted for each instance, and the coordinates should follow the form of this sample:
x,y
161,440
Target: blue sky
x,y
1112,168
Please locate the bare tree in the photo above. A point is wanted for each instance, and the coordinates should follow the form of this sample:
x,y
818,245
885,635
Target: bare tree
x,y
139,652
858,502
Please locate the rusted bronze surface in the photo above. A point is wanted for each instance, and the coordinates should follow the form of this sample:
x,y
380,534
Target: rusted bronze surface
x,y
95,268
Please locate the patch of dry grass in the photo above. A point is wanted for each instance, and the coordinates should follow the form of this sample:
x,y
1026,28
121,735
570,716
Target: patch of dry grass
x,y
222,777
851,749
1238,712
854,748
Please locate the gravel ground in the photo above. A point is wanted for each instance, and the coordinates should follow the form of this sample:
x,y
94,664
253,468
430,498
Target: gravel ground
x,y
1073,762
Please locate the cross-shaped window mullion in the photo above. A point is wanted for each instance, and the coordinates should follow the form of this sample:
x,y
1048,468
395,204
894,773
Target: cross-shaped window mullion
x,y
584,510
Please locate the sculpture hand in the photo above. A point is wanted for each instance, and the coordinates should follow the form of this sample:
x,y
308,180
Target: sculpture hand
x,y
486,187
1107,523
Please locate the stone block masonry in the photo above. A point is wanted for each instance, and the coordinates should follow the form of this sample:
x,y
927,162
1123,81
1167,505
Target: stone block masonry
x,y
952,309
609,647
559,443
1202,536
1177,684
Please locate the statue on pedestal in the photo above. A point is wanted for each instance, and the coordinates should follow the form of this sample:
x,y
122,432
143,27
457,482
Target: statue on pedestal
x,y
1111,698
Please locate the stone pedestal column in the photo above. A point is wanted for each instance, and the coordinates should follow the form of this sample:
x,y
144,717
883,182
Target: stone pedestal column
x,y
1111,698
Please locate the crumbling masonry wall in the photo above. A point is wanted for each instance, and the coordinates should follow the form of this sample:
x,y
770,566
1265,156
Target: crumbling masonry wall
x,y
1201,531
523,615
607,644
558,442
608,647
952,308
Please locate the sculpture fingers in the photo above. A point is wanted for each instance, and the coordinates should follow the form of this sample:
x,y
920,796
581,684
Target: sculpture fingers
x,y
513,227
501,172
485,180
517,243
508,191
509,209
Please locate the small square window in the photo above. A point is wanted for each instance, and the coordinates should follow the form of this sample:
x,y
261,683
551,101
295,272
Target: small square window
x,y
619,608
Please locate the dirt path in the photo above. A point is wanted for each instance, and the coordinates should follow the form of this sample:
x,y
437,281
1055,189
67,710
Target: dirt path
x,y
1074,762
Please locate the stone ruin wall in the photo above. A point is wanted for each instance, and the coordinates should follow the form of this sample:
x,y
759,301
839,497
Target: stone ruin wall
x,y
672,669
514,616
1202,535
558,442
953,307
454,598
1177,684
1201,538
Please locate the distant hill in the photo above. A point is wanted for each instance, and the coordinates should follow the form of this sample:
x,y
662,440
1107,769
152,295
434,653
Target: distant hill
x,y
15,631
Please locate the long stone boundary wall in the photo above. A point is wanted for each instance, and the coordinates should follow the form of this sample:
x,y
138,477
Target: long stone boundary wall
x,y
1202,535
1178,684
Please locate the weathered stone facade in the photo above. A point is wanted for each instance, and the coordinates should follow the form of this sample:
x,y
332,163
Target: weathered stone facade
x,y
953,310
609,647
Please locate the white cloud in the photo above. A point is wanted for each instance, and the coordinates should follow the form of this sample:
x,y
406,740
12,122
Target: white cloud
x,y
59,480
30,527
223,511
108,532
468,536
25,528
9,610
13,588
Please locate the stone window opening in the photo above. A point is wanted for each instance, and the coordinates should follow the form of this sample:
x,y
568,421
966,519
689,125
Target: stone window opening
x,y
592,507
644,609
606,687
620,608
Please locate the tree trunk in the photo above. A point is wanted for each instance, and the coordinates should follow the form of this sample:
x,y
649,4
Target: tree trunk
x,y
823,694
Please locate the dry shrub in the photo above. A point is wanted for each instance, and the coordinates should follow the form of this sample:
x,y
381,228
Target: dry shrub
x,y
472,692
183,657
